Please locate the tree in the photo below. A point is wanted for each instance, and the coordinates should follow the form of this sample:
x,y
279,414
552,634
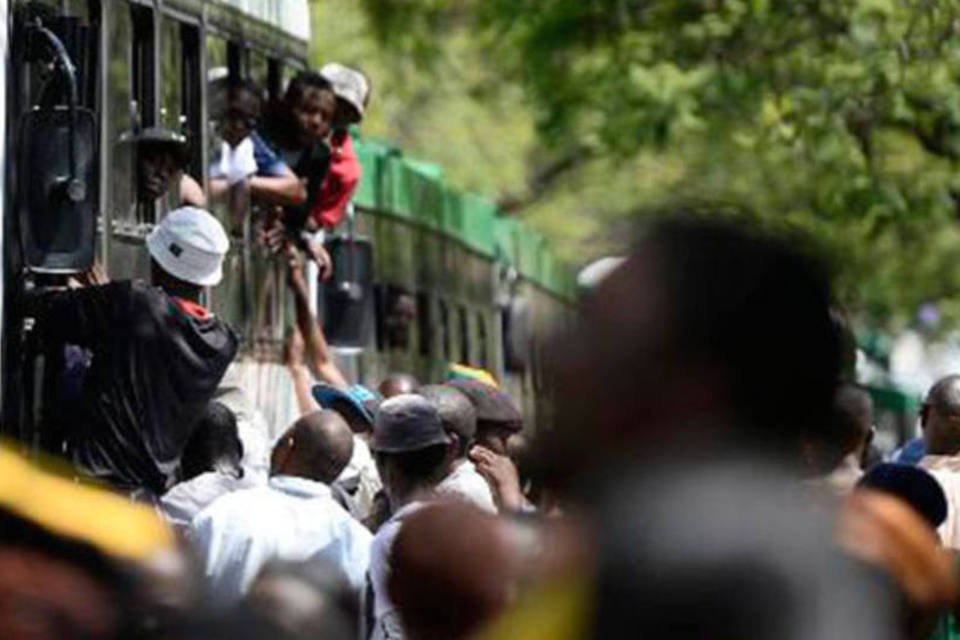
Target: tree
x,y
840,117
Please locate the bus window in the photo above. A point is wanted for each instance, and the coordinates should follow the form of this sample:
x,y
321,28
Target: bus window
x,y
482,340
258,69
191,69
171,88
464,325
120,200
171,65
424,325
444,328
144,65
144,69
274,79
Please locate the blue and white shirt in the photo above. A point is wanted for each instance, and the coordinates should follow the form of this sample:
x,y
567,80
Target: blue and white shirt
x,y
291,519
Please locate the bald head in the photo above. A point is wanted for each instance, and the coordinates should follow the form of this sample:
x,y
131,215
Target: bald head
x,y
396,384
940,417
317,446
457,414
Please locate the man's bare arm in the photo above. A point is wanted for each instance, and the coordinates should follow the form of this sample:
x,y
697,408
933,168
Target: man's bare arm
x,y
317,350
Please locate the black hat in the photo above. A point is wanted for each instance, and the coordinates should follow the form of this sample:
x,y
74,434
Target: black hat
x,y
407,423
159,137
913,485
493,406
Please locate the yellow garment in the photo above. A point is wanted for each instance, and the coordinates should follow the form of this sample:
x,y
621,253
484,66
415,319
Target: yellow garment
x,y
460,371
557,610
111,523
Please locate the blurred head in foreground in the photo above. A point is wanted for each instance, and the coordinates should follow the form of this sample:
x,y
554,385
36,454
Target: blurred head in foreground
x,y
453,570
310,599
710,337
55,588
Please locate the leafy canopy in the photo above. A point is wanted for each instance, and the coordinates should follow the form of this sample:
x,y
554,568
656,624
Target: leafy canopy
x,y
840,117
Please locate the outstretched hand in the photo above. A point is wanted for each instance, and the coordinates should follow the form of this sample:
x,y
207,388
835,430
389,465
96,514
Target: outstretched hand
x,y
323,260
92,277
502,476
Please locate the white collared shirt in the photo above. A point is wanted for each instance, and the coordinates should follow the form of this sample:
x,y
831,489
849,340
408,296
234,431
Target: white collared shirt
x,y
290,519
186,499
466,484
386,619
946,471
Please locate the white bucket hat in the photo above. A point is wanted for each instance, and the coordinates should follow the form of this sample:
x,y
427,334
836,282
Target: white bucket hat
x,y
189,244
348,84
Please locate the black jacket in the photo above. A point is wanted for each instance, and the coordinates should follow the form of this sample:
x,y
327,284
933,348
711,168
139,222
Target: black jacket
x,y
155,367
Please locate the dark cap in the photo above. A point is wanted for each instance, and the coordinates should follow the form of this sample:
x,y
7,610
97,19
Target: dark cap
x,y
913,485
159,137
493,406
407,423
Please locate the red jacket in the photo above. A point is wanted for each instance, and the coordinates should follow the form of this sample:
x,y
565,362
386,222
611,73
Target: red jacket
x,y
339,184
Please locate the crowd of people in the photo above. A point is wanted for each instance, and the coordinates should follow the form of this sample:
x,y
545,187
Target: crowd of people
x,y
705,474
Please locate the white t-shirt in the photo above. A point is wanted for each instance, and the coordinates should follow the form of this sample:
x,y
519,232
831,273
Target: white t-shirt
x,y
466,484
362,469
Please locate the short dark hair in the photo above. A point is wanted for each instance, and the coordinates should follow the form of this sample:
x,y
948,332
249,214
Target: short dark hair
x,y
215,438
456,413
422,466
307,79
854,415
757,305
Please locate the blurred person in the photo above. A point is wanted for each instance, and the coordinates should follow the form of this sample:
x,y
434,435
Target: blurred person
x,y
52,588
158,355
411,448
940,421
908,548
498,417
854,415
211,466
398,383
678,438
244,157
75,560
459,420
453,569
293,518
352,89
677,348
309,599
309,355
298,128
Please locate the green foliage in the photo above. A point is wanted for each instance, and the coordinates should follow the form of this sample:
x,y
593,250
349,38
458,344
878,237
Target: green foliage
x,y
841,118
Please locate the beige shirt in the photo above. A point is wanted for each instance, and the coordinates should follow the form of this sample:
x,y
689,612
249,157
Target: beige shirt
x,y
841,480
946,470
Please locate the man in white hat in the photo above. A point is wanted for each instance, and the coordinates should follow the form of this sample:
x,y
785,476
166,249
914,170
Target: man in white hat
x,y
158,355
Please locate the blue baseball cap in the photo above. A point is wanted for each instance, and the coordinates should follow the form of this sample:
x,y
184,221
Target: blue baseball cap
x,y
358,397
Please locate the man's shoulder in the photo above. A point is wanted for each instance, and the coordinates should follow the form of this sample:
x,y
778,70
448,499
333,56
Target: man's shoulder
x,y
236,505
